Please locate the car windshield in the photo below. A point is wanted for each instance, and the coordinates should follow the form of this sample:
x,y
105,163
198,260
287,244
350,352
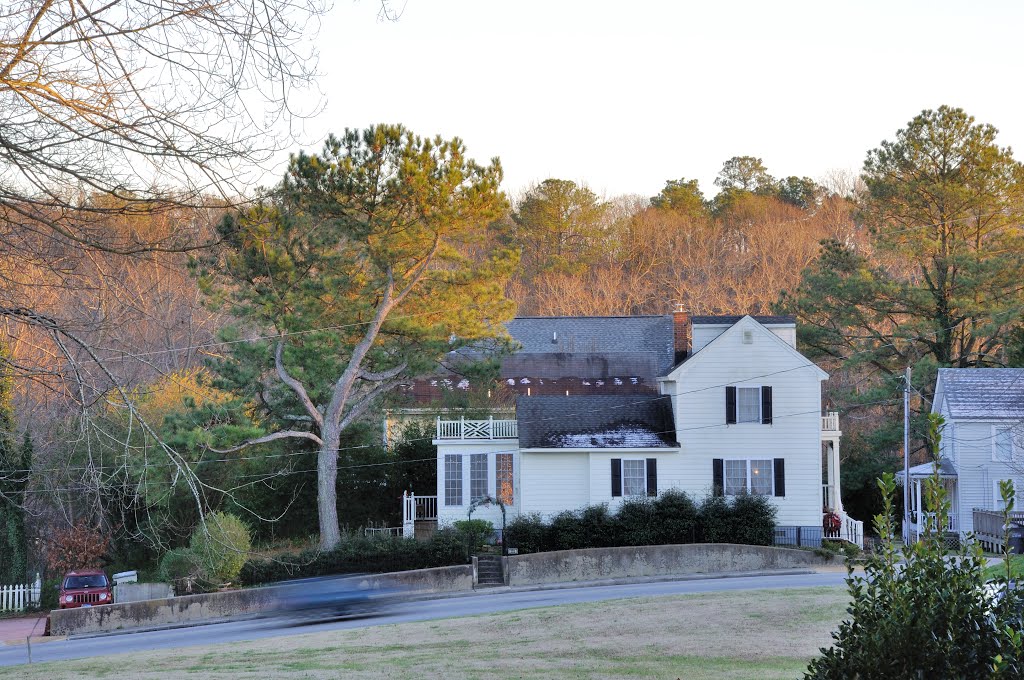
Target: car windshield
x,y
86,581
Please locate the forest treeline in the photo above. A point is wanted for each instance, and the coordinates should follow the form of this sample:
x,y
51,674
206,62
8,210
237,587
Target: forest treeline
x,y
189,375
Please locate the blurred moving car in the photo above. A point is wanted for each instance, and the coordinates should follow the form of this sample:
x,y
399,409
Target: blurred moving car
x,y
85,588
325,598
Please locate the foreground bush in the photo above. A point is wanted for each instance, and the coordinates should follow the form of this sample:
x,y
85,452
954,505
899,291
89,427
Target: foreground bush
x,y
360,555
929,617
221,546
671,518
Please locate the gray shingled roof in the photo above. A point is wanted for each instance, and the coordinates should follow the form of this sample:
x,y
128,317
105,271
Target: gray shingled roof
x,y
596,422
983,392
733,319
646,339
946,469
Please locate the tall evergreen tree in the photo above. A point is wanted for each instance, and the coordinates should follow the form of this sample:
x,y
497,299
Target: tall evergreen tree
x,y
14,465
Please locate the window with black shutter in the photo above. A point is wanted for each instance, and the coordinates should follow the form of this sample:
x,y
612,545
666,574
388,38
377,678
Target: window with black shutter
x,y
652,476
718,477
616,477
766,405
780,476
730,405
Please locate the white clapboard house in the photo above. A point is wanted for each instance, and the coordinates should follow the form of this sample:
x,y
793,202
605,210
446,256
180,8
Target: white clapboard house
x,y
730,407
982,444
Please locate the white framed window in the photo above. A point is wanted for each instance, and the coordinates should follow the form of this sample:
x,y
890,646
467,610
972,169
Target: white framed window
x,y
477,476
1002,444
748,404
756,476
453,480
634,477
997,496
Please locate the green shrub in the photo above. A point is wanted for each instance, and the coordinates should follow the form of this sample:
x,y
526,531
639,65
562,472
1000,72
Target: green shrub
x,y
599,527
474,532
528,534
918,614
716,525
567,531
358,554
753,520
222,546
676,518
183,569
637,522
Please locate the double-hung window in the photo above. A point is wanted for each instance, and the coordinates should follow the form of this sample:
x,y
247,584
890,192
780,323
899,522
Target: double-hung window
x,y
633,481
453,480
1002,444
477,476
748,405
763,477
634,477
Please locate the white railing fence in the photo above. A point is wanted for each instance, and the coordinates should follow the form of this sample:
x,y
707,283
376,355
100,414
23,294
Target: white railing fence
x,y
830,422
18,598
476,429
382,531
851,530
416,508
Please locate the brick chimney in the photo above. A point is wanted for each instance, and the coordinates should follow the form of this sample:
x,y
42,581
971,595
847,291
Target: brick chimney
x,y
681,331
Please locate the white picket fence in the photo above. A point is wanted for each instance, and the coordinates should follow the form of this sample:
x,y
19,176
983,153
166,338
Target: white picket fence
x,y
20,597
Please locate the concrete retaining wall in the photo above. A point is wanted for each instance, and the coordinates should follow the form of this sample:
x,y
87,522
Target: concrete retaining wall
x,y
197,608
593,564
554,567
136,592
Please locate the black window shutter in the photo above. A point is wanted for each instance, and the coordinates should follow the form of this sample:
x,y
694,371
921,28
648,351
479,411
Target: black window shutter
x,y
717,477
780,476
766,405
730,405
616,477
652,476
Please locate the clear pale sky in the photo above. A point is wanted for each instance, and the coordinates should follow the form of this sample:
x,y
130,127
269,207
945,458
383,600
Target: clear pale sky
x,y
625,95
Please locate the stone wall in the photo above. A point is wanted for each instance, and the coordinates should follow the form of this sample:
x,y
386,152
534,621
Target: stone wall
x,y
594,564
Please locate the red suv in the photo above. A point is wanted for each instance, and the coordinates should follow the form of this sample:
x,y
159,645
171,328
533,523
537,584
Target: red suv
x,y
85,588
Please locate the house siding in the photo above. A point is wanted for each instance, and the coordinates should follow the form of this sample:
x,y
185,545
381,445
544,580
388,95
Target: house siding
x,y
553,482
972,444
794,435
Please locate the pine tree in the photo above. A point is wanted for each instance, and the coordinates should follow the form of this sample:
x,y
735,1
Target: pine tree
x,y
14,464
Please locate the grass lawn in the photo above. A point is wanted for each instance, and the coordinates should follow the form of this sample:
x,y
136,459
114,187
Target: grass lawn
x,y
756,634
999,570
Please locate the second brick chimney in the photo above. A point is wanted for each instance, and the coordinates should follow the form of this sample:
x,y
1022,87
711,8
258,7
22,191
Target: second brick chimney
x,y
681,334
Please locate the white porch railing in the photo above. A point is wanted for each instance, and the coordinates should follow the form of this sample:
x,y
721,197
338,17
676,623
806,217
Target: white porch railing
x,y
476,429
851,530
925,520
382,531
416,508
830,422
17,598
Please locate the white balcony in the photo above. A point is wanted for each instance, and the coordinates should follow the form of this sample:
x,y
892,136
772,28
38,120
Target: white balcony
x,y
476,429
830,424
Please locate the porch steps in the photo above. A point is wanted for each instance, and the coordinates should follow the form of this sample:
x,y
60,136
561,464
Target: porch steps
x,y
488,570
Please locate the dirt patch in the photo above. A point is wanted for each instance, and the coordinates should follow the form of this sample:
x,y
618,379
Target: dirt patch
x,y
752,634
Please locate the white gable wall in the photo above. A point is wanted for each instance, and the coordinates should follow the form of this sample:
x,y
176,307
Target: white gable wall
x,y
794,435
705,333
553,482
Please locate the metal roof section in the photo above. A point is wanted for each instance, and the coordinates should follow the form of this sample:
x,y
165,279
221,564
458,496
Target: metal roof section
x,y
946,470
596,422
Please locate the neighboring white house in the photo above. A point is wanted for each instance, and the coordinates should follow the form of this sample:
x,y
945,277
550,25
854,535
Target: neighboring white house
x,y
982,444
740,412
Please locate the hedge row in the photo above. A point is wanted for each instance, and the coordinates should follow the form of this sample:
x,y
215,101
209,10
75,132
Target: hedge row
x,y
671,518
358,554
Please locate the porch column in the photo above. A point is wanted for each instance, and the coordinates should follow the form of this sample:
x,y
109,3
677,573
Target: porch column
x,y
833,474
917,505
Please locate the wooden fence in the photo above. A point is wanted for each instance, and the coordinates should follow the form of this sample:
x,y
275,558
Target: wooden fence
x,y
18,598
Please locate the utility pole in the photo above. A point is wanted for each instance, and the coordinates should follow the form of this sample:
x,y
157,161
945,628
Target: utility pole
x,y
906,457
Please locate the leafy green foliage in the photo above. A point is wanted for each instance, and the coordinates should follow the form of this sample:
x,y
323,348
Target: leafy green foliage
x,y
358,554
222,546
15,462
671,518
183,569
917,613
474,532
681,196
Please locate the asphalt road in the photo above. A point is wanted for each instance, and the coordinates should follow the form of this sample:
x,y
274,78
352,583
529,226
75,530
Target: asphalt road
x,y
420,610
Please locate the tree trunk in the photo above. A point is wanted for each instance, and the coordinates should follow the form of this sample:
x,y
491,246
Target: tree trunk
x,y
327,491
